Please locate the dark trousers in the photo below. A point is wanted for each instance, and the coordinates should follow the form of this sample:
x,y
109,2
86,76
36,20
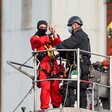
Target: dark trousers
x,y
71,96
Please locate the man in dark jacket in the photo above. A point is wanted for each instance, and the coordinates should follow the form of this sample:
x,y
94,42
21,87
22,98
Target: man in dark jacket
x,y
78,39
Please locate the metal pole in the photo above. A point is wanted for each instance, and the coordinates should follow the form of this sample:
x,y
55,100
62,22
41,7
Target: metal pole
x,y
22,71
78,78
35,84
23,99
93,97
73,50
110,82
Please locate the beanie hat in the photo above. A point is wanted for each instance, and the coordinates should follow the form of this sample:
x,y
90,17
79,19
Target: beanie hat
x,y
41,22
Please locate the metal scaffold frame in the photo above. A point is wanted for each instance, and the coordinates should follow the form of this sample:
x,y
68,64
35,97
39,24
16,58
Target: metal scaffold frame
x,y
34,77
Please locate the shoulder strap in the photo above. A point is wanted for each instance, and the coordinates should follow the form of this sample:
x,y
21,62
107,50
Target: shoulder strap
x,y
45,71
37,36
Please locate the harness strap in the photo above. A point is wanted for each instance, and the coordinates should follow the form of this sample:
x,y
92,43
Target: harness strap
x,y
51,74
49,53
45,71
51,63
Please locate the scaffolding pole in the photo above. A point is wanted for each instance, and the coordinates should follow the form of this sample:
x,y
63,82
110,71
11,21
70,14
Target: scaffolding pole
x,y
111,83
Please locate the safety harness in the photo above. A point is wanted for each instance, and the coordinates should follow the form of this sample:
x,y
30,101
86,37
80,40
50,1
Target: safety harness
x,y
51,74
49,53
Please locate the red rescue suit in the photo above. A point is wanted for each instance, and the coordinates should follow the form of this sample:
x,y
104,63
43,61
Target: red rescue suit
x,y
49,89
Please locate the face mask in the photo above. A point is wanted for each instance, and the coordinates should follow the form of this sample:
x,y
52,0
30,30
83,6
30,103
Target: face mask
x,y
42,32
70,29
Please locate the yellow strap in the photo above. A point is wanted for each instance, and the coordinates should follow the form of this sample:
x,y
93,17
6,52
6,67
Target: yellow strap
x,y
37,36
49,53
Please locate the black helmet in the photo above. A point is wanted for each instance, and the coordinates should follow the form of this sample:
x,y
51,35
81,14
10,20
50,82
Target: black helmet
x,y
75,19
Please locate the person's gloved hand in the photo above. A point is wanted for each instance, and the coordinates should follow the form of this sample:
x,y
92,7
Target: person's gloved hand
x,y
52,49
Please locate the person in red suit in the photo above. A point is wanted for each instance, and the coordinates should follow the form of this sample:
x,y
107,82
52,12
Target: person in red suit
x,y
48,67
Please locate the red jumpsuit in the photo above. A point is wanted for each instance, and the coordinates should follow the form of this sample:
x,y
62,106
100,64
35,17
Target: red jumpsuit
x,y
49,89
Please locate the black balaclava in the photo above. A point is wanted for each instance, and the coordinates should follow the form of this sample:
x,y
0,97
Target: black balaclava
x,y
41,32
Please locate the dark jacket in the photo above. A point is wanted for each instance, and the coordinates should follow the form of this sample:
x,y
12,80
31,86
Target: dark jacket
x,y
78,39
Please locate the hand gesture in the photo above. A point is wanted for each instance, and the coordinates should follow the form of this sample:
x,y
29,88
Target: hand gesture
x,y
51,29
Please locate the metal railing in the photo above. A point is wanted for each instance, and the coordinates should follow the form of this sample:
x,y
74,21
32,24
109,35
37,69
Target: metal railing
x,y
34,77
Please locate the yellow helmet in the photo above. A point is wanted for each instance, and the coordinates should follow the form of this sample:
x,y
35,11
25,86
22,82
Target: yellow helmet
x,y
109,29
